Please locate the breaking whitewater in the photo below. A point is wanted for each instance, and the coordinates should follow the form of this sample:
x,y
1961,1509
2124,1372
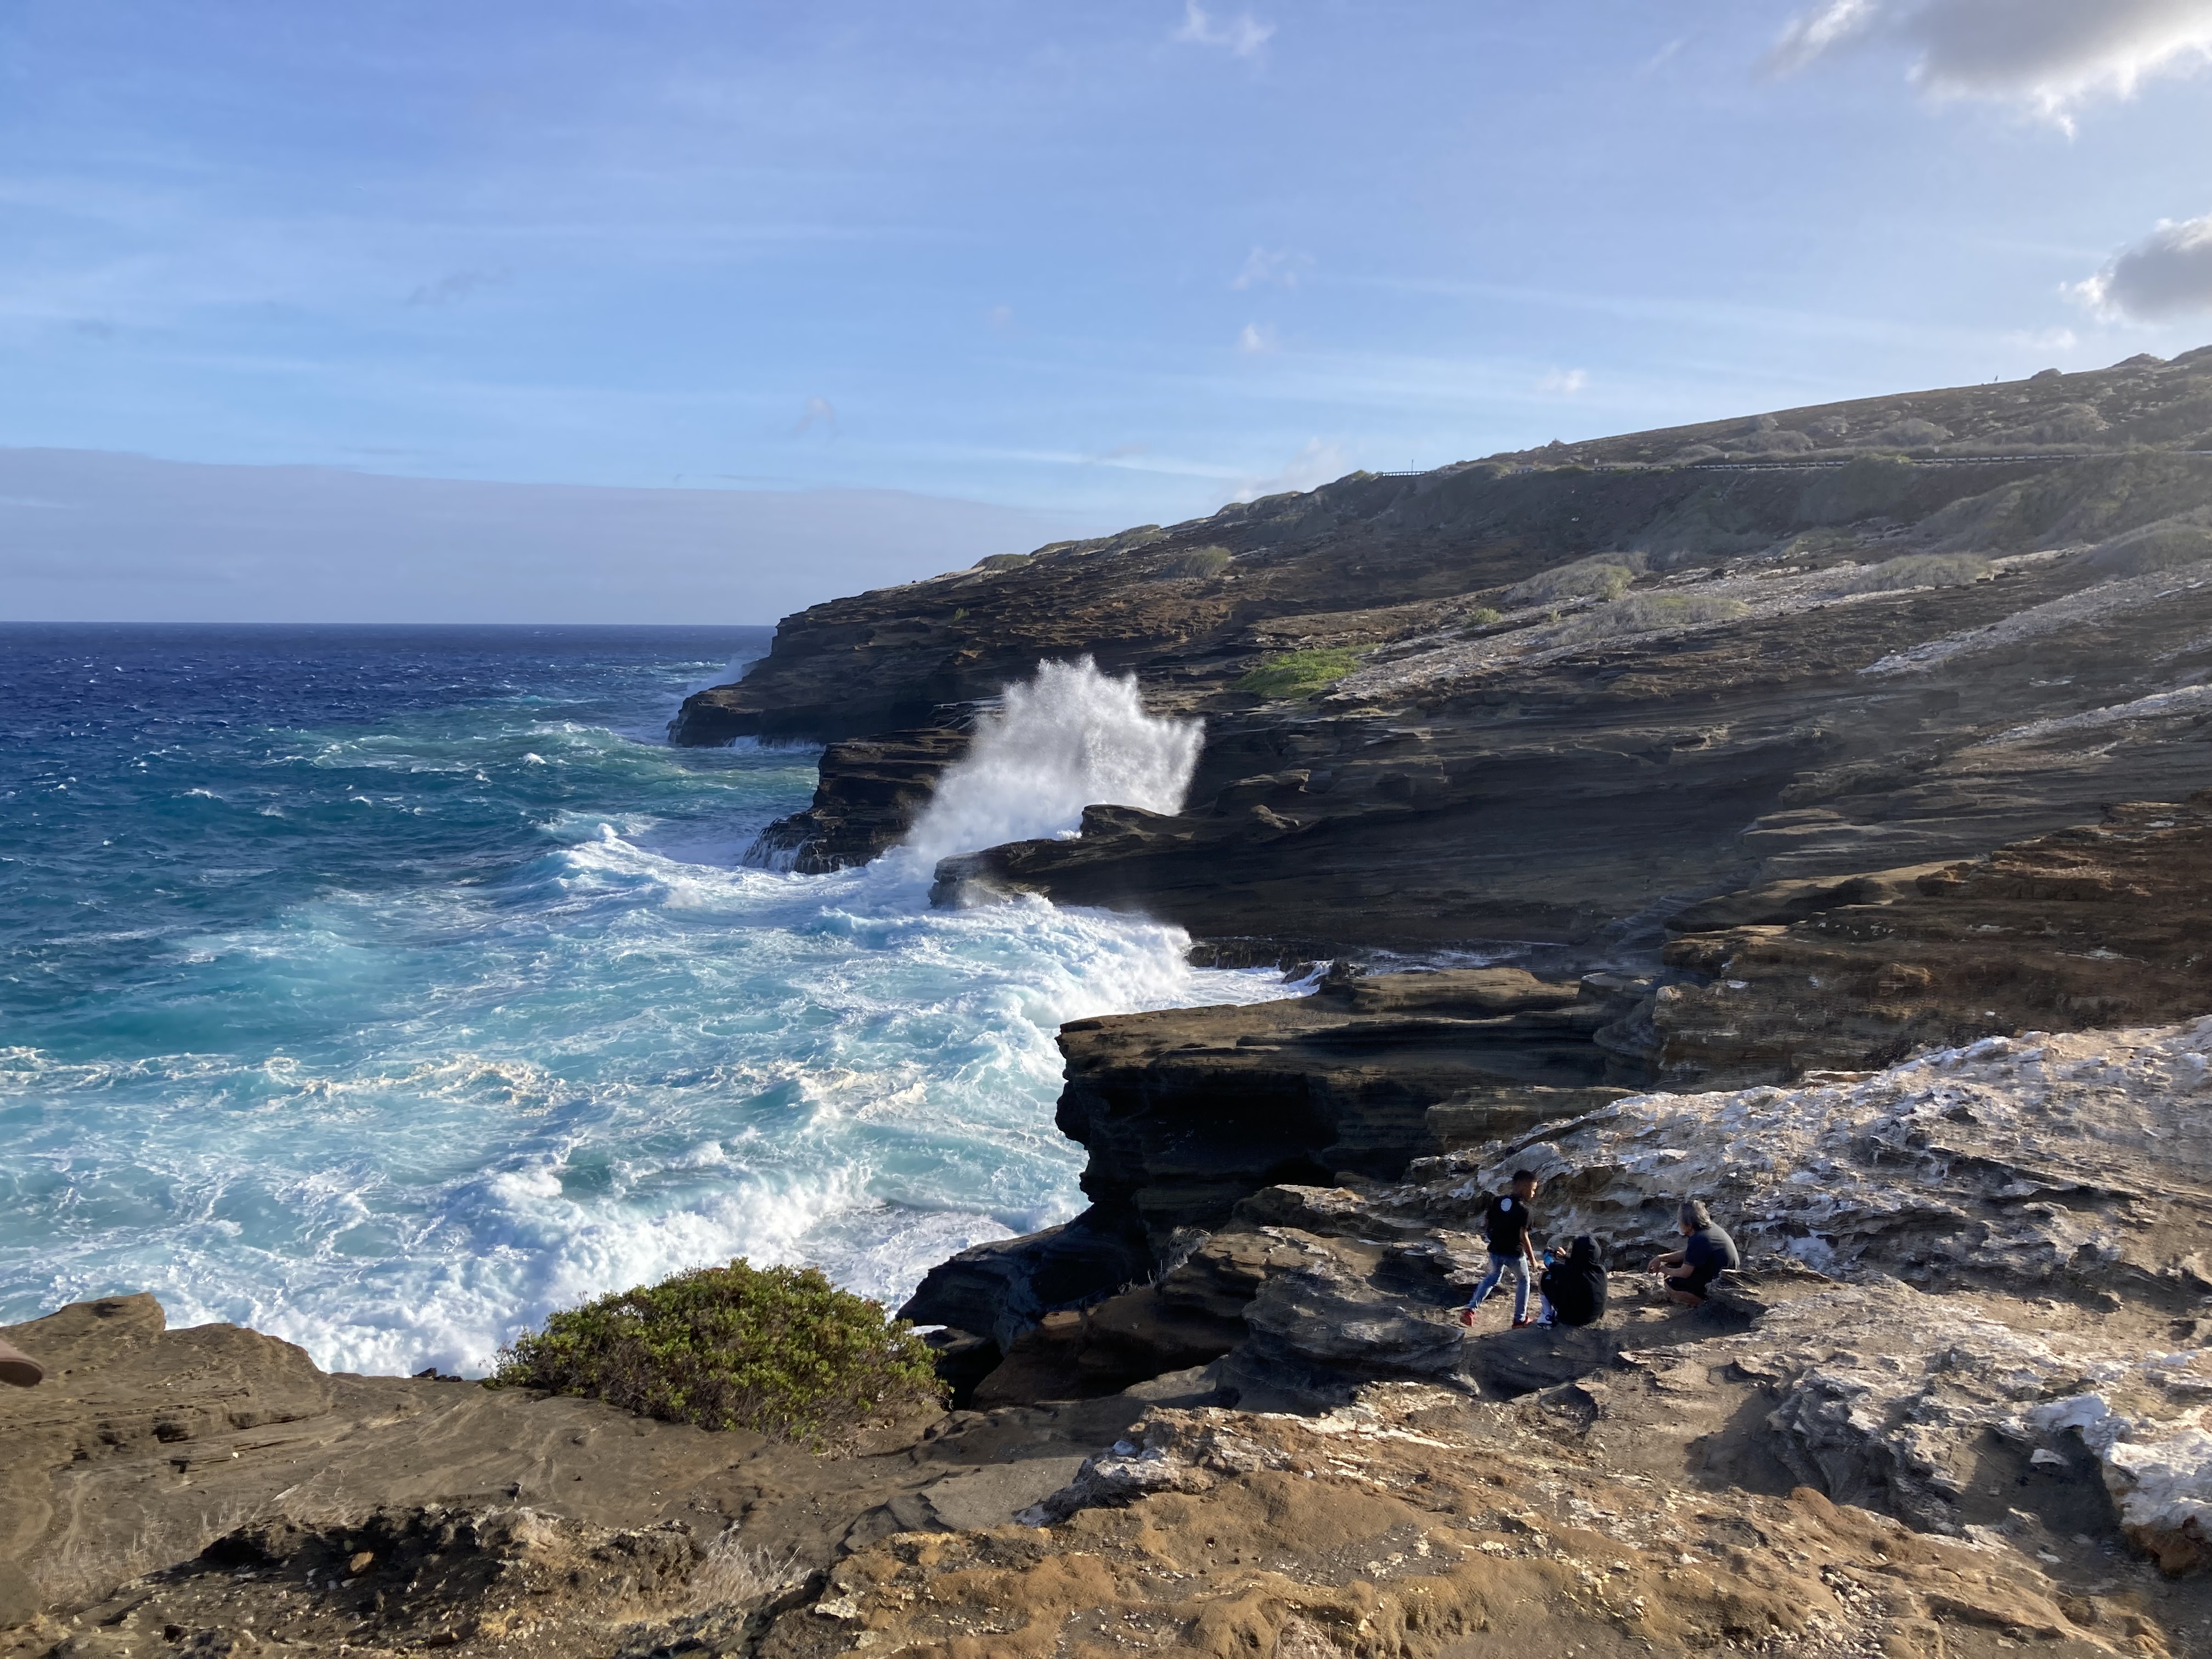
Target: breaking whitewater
x,y
390,1032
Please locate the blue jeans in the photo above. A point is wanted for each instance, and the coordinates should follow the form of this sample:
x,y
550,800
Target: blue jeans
x,y
1499,1266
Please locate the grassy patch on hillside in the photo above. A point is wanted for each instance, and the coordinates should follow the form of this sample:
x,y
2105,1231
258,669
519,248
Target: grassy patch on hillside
x,y
1299,674
2166,545
1917,570
780,1351
1646,613
1199,562
1601,577
1003,562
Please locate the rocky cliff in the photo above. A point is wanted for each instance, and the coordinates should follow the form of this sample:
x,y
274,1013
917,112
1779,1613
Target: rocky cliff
x,y
1586,685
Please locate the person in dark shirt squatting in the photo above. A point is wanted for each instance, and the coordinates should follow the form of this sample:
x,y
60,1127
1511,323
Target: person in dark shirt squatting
x,y
1573,1291
1707,1252
1507,1222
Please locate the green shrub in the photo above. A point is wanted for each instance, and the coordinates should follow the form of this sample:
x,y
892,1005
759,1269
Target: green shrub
x,y
2166,545
1644,613
1819,543
1602,576
1299,674
1915,570
1481,617
1199,562
781,1351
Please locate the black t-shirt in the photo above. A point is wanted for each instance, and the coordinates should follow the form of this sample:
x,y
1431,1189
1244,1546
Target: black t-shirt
x,y
1507,1222
1576,1290
1707,1252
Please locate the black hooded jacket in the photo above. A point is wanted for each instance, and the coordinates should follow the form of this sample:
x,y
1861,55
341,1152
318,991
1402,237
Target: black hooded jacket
x,y
1576,1286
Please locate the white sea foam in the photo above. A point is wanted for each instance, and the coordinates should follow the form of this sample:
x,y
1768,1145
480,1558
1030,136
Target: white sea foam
x,y
616,1065
1069,739
528,1038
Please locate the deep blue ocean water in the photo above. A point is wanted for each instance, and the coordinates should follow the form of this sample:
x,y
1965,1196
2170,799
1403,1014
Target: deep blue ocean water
x,y
384,988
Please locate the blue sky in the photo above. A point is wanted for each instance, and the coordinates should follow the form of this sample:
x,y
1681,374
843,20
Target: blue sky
x,y
1109,264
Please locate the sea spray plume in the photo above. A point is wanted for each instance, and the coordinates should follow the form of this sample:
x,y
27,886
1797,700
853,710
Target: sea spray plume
x,y
1069,739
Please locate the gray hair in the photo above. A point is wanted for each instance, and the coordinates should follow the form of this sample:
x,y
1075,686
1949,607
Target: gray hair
x,y
1695,1215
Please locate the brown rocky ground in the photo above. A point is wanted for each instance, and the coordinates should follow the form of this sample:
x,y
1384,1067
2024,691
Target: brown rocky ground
x,y
145,1446
1632,1512
1975,1425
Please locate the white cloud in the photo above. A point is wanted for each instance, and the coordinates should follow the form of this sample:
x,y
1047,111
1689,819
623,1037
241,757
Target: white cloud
x,y
819,411
2049,55
1265,265
1317,462
2167,274
1563,382
1256,338
1243,35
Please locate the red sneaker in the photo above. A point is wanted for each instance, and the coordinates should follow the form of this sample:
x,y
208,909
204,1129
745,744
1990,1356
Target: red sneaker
x,y
1518,1323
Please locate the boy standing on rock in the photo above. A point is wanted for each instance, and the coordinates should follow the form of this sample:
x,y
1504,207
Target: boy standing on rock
x,y
1507,1222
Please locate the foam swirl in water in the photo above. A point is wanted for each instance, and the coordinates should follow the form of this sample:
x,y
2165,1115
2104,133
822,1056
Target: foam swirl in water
x,y
1070,738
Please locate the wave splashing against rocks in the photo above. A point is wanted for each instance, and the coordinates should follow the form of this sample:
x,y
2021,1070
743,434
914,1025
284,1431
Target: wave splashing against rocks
x,y
1069,738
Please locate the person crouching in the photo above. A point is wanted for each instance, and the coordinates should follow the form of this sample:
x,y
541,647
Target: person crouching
x,y
1707,1252
1508,1224
1573,1291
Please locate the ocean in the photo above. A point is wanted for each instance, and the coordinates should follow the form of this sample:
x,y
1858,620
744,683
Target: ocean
x,y
387,988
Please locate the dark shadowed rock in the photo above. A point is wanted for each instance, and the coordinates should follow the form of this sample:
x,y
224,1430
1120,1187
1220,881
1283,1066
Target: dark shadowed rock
x,y
2094,925
871,791
1334,1313
1000,1289
17,1369
1186,1111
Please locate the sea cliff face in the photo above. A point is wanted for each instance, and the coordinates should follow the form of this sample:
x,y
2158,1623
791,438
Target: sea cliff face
x,y
1592,684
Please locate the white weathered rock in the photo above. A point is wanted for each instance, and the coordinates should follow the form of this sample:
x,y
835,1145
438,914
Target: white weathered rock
x,y
2035,1160
2147,1426
2013,1168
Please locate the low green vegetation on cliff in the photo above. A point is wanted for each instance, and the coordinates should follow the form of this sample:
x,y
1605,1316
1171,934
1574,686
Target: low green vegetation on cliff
x,y
1199,562
1643,613
1917,570
1602,576
1299,674
780,1351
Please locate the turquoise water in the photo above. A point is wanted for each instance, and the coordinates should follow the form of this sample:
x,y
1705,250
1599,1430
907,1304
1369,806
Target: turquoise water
x,y
385,990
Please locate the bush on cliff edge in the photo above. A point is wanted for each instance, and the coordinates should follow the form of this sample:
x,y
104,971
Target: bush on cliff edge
x,y
1299,674
781,1351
